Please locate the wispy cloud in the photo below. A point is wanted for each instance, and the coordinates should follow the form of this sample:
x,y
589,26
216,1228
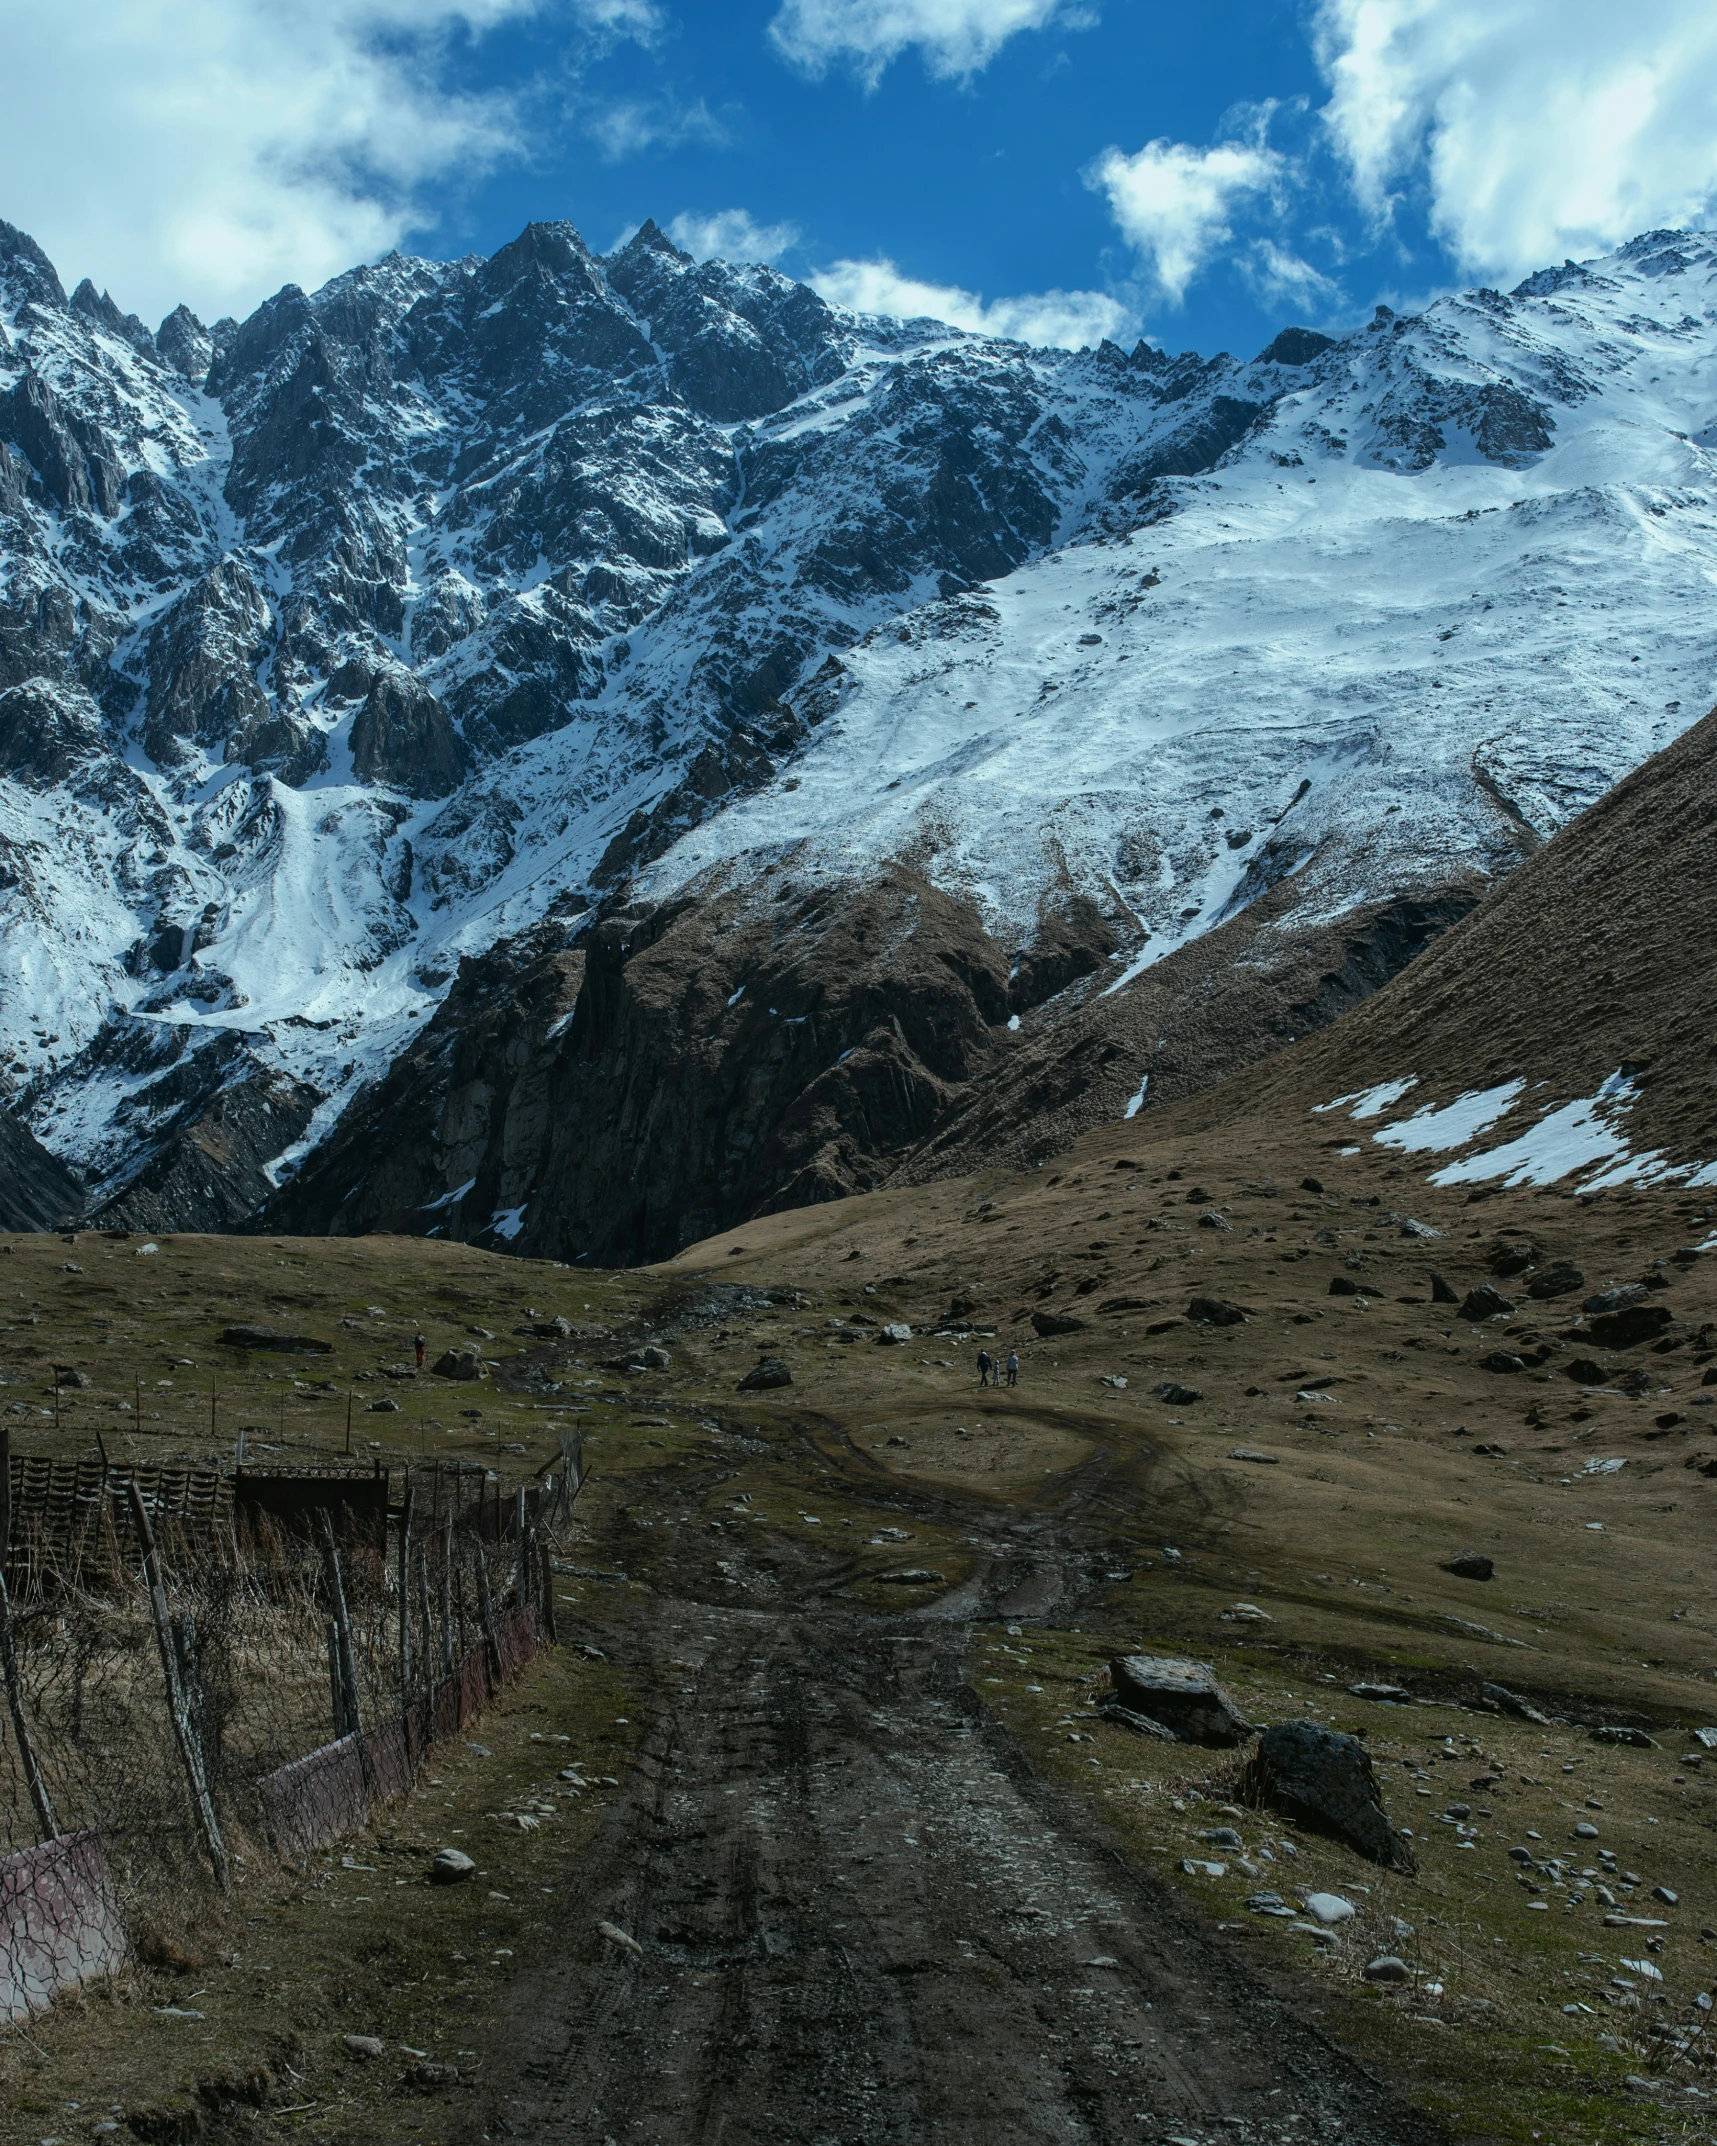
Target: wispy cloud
x,y
1176,204
211,150
956,38
1064,319
731,235
630,126
1538,130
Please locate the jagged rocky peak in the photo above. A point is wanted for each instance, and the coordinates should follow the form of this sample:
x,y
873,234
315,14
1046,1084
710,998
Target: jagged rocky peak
x,y
186,344
27,276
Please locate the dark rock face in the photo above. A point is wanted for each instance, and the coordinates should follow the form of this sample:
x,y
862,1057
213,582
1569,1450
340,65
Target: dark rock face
x,y
37,1191
404,737
1485,1303
202,1116
1560,1279
1323,1779
1626,1329
1471,1565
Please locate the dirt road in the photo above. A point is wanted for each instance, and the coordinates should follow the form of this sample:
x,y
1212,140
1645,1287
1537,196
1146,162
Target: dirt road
x,y
862,1918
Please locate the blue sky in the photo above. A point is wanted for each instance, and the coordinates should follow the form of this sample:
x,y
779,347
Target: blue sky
x,y
1052,168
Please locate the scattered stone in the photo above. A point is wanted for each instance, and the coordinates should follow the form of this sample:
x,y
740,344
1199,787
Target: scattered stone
x,y
1114,1379
1117,1304
1503,1360
767,1372
893,1336
1216,1311
1585,1830
1344,1285
1394,1692
1193,1867
1178,1396
1050,1323
1311,1184
1614,1733
616,1936
459,1364
1262,1460
1388,1968
1510,1702
1328,1908
1248,1613
452,1866
1223,1837
1269,1904
1471,1565
431,2078
1141,1724
1511,1259
1183,1695
1560,1279
1584,1371
914,1576
386,1406
1210,1219
1616,1299
1324,1779
1486,1303
1412,1228
270,1337
1663,1893
654,1358
1441,1293
365,2045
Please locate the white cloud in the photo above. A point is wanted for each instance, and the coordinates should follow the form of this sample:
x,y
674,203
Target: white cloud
x,y
1283,278
1060,319
731,235
211,150
1175,203
956,37
629,127
1542,129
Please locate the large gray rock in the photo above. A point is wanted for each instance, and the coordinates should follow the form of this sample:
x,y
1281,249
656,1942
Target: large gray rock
x,y
1323,1779
1184,1696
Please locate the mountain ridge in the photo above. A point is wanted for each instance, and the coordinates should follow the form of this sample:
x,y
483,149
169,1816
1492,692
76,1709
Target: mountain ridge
x,y
459,603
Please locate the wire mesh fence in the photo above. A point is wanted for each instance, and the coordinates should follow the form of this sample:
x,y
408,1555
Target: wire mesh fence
x,y
198,1684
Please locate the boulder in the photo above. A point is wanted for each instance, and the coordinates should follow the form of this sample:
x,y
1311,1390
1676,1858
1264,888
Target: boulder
x,y
1178,1396
1471,1565
1183,1696
1387,1967
452,1866
1485,1303
1380,1692
1511,1259
1560,1279
459,1364
655,1358
1505,1701
1627,1328
1584,1371
767,1372
893,1336
1618,1733
1050,1323
271,1337
1216,1311
1441,1293
1323,1779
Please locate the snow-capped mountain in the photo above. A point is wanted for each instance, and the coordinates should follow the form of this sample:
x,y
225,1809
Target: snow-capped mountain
x,y
459,600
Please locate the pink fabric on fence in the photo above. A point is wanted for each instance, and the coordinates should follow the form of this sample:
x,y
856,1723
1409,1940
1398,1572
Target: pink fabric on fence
x,y
312,1801
59,1922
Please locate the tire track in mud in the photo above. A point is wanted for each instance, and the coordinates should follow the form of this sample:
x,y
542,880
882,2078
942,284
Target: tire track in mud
x,y
864,1919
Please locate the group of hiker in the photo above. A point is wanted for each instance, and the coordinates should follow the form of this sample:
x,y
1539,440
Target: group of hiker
x,y
991,1369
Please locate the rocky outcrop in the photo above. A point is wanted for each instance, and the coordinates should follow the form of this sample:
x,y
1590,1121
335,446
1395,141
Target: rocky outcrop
x,y
618,1088
404,737
37,1191
1323,1778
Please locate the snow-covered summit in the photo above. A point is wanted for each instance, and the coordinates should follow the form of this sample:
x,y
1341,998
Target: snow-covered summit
x,y
345,641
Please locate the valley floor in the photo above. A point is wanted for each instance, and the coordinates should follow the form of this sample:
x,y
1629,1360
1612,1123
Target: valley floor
x,y
854,1855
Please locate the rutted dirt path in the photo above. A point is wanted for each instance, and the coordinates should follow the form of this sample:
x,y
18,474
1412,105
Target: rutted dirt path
x,y
863,1919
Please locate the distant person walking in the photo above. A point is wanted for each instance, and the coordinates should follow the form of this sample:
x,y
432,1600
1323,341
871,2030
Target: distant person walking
x,y
984,1368
419,1344
1013,1367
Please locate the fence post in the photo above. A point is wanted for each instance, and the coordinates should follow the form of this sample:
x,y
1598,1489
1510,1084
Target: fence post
x,y
445,1590
336,1683
522,1566
426,1628
491,1635
405,1593
185,1735
342,1630
9,1655
551,1631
